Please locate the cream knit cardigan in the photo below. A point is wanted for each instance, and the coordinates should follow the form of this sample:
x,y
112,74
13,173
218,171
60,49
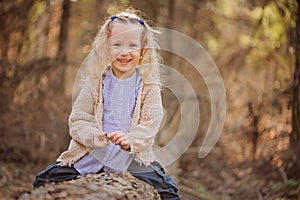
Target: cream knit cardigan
x,y
85,121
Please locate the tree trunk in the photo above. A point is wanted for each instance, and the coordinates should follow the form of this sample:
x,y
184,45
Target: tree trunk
x,y
295,136
111,186
63,36
62,45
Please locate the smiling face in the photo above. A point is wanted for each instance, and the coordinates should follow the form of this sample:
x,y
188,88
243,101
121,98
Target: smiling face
x,y
124,48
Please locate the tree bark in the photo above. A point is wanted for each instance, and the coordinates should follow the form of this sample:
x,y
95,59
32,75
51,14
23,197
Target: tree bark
x,y
63,36
63,42
295,136
111,186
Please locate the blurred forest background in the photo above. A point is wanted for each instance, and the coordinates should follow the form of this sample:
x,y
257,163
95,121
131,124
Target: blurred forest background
x,y
254,43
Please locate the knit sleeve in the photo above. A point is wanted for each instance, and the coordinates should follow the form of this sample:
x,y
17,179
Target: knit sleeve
x,y
142,135
82,122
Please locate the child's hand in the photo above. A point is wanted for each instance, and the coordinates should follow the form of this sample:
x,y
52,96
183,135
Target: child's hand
x,y
120,138
100,140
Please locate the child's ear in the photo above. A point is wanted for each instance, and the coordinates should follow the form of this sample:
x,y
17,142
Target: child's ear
x,y
140,60
142,53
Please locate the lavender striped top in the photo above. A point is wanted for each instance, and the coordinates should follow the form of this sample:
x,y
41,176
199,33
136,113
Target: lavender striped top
x,y
119,98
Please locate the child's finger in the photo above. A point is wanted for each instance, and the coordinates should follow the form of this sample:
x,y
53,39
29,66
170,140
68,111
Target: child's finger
x,y
125,145
116,133
120,139
100,137
100,140
115,136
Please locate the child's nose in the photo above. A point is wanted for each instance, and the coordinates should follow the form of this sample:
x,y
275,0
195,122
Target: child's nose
x,y
125,51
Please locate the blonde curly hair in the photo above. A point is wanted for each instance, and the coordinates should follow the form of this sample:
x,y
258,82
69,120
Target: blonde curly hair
x,y
98,59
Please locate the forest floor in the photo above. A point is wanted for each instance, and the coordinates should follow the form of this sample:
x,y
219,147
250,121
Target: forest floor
x,y
215,178
210,178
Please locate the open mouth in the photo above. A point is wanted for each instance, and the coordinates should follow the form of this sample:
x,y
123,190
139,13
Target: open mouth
x,y
124,61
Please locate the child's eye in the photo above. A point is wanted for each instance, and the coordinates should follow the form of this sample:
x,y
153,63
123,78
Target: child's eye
x,y
116,44
133,45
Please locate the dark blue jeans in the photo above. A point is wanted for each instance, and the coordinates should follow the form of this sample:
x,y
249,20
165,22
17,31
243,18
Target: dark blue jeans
x,y
153,175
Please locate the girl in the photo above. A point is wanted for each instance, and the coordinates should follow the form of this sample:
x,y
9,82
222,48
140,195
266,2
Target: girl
x,y
118,111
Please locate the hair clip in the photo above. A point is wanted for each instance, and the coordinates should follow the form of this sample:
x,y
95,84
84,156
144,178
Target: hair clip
x,y
142,21
113,17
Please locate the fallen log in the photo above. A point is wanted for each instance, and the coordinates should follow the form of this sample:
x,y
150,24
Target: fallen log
x,y
111,186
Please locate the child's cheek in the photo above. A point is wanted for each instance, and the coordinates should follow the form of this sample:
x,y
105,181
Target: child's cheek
x,y
113,53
